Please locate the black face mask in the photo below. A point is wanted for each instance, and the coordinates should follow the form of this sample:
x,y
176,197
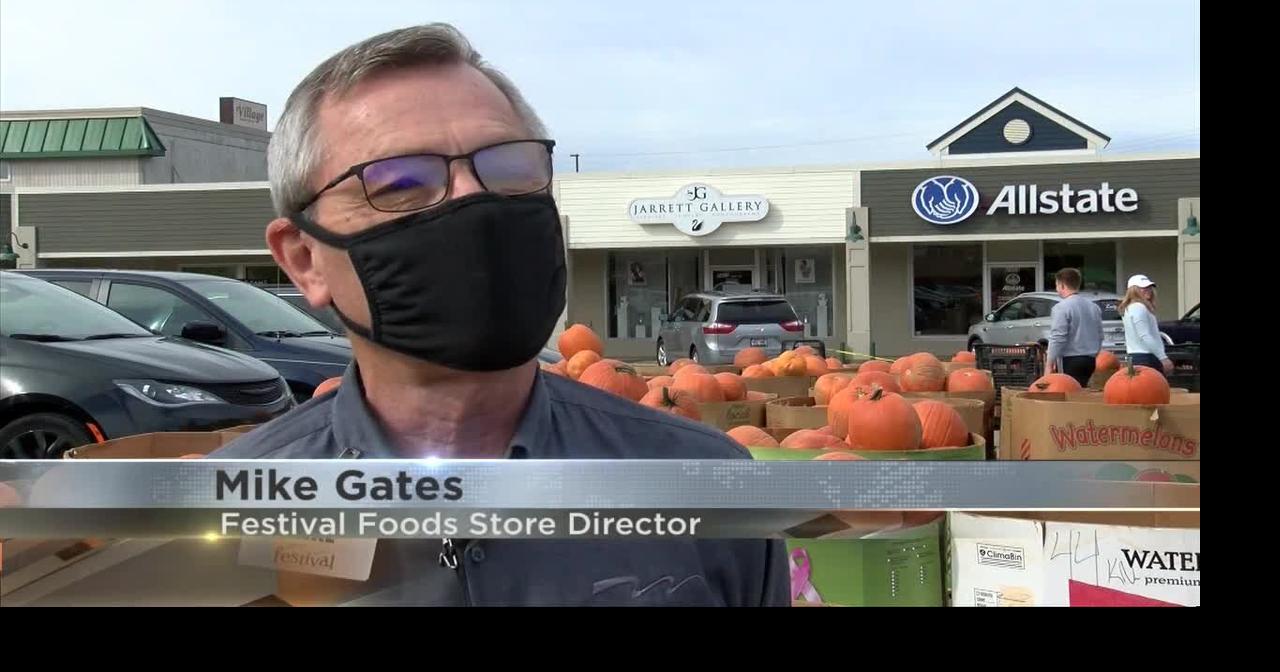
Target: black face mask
x,y
475,284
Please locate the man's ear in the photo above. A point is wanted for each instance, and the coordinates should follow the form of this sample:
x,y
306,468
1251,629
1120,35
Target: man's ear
x,y
295,253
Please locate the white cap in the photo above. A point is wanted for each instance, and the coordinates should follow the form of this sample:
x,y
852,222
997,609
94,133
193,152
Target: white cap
x,y
1141,281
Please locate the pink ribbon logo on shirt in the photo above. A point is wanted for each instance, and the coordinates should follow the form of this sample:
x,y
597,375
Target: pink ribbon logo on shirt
x,y
801,585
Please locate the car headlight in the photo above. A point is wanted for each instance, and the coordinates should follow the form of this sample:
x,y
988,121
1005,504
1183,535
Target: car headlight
x,y
167,394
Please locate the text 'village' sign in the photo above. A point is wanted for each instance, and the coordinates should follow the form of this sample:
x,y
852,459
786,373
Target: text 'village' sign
x,y
698,209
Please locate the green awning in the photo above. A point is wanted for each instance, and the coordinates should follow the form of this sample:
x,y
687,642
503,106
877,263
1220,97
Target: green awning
x,y
78,138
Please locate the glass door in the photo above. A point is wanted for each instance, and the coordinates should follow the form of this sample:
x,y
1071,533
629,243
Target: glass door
x,y
1006,280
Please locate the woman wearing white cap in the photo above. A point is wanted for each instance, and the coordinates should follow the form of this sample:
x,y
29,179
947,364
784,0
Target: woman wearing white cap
x,y
1141,330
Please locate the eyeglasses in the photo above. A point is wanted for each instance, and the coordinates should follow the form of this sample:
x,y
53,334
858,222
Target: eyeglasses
x,y
418,181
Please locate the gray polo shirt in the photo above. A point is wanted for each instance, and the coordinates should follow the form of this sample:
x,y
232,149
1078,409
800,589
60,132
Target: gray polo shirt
x,y
563,420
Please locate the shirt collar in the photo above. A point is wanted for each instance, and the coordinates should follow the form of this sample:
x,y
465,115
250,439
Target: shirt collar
x,y
356,428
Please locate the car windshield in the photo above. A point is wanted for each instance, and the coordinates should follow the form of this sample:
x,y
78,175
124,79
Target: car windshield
x,y
36,310
755,312
1194,314
1110,308
259,310
324,314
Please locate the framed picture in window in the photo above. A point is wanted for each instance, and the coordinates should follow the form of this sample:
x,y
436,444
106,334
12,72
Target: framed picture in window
x,y
806,271
635,275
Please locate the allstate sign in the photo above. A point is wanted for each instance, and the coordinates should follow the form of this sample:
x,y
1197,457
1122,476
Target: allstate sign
x,y
945,199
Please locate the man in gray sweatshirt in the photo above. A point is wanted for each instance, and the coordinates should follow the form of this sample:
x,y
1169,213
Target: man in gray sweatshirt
x,y
1075,336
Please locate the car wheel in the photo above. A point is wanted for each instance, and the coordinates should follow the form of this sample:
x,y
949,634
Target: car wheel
x,y
693,353
662,354
974,343
41,436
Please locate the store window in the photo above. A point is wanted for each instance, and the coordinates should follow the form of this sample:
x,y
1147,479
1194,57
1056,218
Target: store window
x,y
804,276
946,285
265,274
1095,259
637,293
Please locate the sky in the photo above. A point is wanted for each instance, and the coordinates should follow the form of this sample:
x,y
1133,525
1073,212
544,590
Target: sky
x,y
652,84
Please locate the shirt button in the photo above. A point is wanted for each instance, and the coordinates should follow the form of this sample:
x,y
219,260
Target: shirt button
x,y
476,554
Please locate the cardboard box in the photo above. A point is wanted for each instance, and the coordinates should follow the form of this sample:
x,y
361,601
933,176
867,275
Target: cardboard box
x,y
795,413
897,566
158,445
1043,426
977,451
783,386
973,411
725,415
1056,560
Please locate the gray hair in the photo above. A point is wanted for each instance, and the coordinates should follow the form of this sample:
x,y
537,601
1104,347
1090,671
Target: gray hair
x,y
296,150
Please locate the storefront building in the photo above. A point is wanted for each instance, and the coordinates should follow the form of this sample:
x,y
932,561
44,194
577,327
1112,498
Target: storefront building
x,y
886,259
890,259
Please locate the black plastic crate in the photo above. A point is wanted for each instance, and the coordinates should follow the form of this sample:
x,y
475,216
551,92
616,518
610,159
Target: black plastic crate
x,y
1011,365
1186,366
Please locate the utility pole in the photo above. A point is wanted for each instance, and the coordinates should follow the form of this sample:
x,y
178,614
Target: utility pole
x,y
575,161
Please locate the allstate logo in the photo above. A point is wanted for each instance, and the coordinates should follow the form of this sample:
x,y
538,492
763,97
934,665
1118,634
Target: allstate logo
x,y
945,199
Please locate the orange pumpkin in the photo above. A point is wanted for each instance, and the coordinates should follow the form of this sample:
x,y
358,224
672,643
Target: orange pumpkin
x,y
661,381
812,439
691,370
826,429
732,386
969,380
874,365
1136,385
703,387
753,437
940,425
923,374
828,385
577,338
840,404
679,364
805,351
326,386
796,366
638,388
1055,382
899,365
839,455
749,357
191,456
757,371
672,401
964,356
579,363
1106,361
815,365
559,368
610,375
884,379
884,421
833,363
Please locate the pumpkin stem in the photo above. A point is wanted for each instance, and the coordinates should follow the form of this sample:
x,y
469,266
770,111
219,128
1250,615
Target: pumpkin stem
x,y
1132,371
876,392
1042,386
666,397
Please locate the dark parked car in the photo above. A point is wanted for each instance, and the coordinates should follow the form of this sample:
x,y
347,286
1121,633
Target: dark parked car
x,y
294,296
75,372
1185,330
218,311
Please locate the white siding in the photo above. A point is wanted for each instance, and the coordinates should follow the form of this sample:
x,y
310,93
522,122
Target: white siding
x,y
805,207
75,172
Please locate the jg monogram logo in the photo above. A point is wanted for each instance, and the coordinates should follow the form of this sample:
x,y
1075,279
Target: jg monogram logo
x,y
698,209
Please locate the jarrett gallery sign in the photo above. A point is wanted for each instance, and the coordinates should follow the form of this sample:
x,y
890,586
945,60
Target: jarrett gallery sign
x,y
698,209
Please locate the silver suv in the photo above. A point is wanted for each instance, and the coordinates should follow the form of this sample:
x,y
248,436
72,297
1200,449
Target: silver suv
x,y
712,327
1026,320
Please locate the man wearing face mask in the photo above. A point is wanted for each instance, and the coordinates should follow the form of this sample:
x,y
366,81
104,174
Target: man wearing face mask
x,y
411,182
